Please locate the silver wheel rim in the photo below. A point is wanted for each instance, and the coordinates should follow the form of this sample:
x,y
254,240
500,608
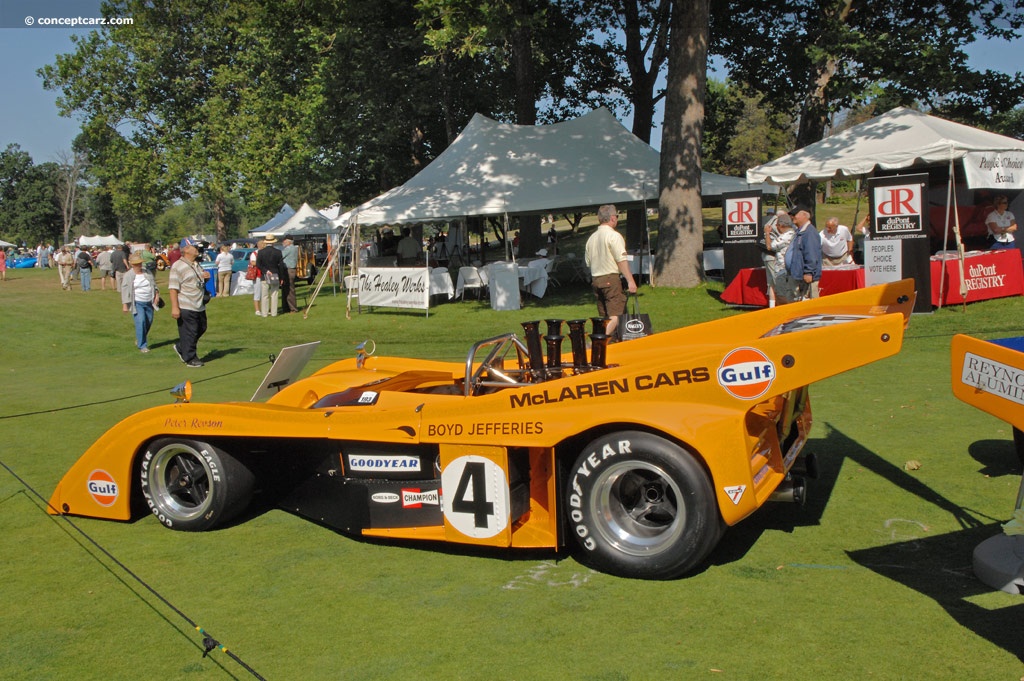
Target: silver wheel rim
x,y
179,480
637,509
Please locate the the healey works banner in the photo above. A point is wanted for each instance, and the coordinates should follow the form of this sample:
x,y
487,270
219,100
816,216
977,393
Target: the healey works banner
x,y
395,287
994,169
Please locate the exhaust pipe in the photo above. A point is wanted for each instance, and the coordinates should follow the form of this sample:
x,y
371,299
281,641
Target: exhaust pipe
x,y
805,467
578,340
532,331
793,490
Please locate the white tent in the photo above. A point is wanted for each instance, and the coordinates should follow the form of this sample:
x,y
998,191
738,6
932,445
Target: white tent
x,y
109,240
898,139
307,221
493,168
273,223
5,244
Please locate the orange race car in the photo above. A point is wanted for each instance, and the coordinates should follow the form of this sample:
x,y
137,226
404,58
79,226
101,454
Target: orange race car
x,y
636,454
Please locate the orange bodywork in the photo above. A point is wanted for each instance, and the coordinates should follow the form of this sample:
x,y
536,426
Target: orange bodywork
x,y
733,392
990,376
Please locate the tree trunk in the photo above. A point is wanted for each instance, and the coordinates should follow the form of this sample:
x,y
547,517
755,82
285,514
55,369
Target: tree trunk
x,y
681,230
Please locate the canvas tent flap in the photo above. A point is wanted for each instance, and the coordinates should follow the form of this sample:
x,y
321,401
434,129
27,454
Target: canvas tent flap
x,y
901,138
493,168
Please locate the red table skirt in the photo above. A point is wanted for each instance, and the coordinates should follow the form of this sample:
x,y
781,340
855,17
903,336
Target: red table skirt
x,y
750,286
988,274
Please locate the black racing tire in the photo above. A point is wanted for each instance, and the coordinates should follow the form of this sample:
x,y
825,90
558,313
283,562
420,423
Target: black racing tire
x,y
193,486
1018,444
161,265
640,506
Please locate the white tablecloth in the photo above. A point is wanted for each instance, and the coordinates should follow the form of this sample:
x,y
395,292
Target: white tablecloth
x,y
532,279
441,283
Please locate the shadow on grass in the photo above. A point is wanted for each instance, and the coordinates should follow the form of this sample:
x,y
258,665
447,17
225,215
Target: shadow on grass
x,y
934,566
997,457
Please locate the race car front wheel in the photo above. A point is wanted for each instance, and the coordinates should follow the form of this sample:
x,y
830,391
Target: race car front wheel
x,y
640,506
191,485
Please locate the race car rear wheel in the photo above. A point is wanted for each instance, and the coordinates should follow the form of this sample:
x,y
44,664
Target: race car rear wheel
x,y
641,506
192,486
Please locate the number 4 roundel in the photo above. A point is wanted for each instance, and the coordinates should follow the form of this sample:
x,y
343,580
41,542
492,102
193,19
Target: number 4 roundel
x,y
476,497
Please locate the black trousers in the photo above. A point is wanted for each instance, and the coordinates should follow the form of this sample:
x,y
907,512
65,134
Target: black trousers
x,y
191,327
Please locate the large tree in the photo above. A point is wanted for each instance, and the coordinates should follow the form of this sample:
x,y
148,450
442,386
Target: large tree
x,y
196,98
681,227
29,211
817,57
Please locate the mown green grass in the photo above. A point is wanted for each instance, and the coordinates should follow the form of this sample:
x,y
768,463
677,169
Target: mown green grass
x,y
871,579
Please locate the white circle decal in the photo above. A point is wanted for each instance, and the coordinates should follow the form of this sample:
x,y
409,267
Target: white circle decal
x,y
476,499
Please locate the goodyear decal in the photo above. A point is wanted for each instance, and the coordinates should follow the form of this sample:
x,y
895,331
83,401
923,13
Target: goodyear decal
x,y
746,373
102,487
389,462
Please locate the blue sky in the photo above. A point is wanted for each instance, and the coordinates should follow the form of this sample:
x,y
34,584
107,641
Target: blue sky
x,y
28,113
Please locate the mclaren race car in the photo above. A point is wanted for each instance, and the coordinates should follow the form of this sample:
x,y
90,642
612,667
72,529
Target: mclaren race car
x,y
636,454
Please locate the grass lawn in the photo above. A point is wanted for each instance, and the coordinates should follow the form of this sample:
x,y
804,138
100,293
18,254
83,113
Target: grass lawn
x,y
870,579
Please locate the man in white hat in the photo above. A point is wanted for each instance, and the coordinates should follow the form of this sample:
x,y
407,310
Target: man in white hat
x,y
271,264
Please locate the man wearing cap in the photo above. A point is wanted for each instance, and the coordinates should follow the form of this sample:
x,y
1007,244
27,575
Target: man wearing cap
x,y
186,284
271,264
290,256
65,263
606,257
803,259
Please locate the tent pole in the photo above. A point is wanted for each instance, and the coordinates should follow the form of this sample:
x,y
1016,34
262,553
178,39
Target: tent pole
x,y
959,238
333,261
945,232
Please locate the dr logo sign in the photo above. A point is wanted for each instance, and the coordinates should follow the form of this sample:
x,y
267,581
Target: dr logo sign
x,y
746,373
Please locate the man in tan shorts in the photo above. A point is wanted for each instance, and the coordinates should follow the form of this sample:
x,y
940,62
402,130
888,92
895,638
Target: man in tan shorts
x,y
606,257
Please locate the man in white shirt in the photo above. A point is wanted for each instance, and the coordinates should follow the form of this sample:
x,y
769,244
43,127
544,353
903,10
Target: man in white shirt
x,y
836,244
606,257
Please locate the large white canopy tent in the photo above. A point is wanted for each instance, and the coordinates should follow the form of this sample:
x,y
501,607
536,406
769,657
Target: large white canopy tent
x,y
307,221
905,139
896,140
282,216
5,244
497,168
109,240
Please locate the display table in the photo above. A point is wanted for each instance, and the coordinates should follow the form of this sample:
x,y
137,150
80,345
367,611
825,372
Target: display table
x,y
750,287
988,274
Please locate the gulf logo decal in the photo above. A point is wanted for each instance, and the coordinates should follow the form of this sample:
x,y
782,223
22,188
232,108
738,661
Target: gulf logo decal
x,y
102,487
746,373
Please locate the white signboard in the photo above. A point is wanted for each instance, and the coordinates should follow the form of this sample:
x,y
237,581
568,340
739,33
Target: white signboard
x,y
883,261
407,287
994,169
995,378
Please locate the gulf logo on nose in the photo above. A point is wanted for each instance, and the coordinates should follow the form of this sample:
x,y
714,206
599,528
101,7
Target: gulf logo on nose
x,y
102,487
746,373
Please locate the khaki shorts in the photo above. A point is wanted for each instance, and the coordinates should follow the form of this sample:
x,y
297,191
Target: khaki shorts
x,y
611,297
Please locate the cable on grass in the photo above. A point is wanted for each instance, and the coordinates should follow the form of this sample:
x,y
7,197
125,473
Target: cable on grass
x,y
209,643
69,407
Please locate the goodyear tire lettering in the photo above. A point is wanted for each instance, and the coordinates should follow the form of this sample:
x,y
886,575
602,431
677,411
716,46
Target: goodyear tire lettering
x,y
641,506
